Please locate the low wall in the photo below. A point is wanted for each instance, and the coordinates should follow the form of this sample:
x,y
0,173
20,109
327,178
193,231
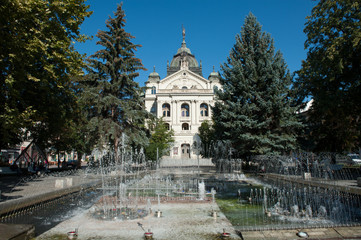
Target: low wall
x,y
169,162
6,171
17,231
314,182
21,203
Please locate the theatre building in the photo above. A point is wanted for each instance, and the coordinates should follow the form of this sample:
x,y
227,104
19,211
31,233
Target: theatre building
x,y
183,98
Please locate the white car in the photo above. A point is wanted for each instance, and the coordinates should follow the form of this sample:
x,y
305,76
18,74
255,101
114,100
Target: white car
x,y
355,158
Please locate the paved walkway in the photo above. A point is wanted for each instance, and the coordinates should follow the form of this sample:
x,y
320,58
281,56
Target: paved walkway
x,y
336,233
15,187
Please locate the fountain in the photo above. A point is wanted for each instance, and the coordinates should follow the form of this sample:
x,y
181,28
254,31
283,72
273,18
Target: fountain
x,y
225,235
201,190
148,235
277,196
73,234
284,196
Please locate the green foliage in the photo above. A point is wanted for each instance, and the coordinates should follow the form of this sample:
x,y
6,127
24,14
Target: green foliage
x,y
206,134
331,75
161,139
253,110
37,63
112,97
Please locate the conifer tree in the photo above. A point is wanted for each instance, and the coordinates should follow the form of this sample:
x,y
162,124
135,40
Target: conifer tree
x,y
253,110
114,99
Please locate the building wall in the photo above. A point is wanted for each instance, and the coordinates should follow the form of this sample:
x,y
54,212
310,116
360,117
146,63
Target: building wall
x,y
182,87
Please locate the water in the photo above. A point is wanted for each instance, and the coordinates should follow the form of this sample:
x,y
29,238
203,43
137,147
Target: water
x,y
46,215
129,187
201,190
287,200
130,190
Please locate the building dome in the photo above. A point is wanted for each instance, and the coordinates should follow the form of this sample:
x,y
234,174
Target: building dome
x,y
177,59
184,49
184,54
214,75
153,76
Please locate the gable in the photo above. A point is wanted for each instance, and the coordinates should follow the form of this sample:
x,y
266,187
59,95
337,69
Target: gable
x,y
184,78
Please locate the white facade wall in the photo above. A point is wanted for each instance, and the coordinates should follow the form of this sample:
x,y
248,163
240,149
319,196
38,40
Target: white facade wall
x,y
182,87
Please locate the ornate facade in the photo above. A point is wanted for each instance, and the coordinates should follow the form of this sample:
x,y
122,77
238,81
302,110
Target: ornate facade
x,y
183,98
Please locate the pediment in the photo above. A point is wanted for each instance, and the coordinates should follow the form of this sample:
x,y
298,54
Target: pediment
x,y
184,78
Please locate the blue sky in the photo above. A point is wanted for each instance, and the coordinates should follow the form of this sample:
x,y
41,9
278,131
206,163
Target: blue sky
x,y
211,27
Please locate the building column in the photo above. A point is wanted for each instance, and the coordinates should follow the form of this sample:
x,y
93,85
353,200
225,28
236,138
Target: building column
x,y
193,112
159,109
210,113
176,121
173,112
196,110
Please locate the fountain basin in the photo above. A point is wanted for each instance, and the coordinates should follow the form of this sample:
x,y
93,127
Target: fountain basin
x,y
173,226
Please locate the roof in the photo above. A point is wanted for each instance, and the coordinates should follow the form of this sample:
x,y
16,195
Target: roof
x,y
184,54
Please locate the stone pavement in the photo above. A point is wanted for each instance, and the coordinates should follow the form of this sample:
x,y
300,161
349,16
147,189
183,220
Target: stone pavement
x,y
336,233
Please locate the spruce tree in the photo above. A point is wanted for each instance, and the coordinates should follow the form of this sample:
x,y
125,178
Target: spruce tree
x,y
253,111
114,99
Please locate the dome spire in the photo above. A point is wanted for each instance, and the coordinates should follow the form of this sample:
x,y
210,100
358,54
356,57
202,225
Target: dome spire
x,y
184,36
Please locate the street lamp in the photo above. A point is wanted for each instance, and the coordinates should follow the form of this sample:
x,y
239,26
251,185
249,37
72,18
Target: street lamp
x,y
197,147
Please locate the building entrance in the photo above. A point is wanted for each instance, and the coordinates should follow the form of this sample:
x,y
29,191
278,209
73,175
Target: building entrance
x,y
185,150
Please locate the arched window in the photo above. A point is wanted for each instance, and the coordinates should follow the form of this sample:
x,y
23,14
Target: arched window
x,y
166,110
204,110
167,126
185,126
184,87
185,110
154,90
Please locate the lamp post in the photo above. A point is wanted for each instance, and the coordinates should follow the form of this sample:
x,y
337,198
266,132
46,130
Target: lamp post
x,y
198,161
197,147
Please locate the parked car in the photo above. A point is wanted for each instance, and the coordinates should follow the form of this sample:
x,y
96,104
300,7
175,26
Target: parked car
x,y
72,164
355,158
